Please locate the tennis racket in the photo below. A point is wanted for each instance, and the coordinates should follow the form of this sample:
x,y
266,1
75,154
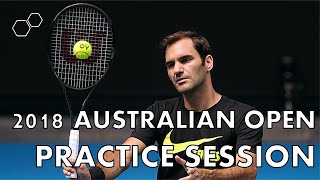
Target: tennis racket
x,y
79,77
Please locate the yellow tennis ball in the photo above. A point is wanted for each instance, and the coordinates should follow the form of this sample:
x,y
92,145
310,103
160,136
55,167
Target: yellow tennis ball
x,y
82,49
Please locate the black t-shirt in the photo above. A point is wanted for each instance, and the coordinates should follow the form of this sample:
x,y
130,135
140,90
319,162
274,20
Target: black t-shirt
x,y
235,137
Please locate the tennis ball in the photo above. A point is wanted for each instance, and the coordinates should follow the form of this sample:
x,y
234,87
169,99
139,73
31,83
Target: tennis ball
x,y
82,49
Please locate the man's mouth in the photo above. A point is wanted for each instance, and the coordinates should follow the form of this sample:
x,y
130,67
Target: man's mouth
x,y
180,80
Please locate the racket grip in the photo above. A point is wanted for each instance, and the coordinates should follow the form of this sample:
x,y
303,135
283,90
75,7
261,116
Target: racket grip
x,y
74,145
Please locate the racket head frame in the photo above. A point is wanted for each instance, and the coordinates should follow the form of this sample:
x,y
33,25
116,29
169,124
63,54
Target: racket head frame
x,y
65,86
67,90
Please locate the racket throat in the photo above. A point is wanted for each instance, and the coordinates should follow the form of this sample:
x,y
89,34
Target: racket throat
x,y
76,102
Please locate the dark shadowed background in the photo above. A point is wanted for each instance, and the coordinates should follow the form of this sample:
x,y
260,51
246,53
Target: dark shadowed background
x,y
249,40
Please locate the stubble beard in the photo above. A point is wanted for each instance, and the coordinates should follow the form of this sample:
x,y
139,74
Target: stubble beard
x,y
191,88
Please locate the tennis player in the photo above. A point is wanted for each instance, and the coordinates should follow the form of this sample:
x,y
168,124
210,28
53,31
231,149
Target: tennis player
x,y
189,62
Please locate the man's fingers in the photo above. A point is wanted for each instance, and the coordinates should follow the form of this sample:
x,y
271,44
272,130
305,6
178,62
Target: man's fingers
x,y
66,173
72,161
180,160
68,170
82,168
192,174
82,171
186,178
191,170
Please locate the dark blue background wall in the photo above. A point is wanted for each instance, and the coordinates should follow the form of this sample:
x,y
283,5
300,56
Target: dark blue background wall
x,y
248,39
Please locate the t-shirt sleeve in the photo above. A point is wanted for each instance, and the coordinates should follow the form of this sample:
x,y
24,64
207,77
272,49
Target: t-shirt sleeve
x,y
147,135
249,136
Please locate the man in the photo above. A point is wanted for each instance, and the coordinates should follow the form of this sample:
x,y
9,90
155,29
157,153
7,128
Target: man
x,y
189,63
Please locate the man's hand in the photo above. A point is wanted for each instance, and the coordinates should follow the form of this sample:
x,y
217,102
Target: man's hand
x,y
82,171
234,172
193,173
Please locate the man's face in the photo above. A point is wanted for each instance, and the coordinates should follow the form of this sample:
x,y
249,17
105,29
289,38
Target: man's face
x,y
184,66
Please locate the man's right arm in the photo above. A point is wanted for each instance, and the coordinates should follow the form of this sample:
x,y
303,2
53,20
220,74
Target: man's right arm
x,y
116,170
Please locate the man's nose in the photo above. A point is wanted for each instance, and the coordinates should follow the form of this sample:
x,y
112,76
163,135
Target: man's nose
x,y
178,68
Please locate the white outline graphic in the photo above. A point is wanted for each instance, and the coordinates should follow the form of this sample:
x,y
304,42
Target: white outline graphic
x,y
38,16
28,23
21,35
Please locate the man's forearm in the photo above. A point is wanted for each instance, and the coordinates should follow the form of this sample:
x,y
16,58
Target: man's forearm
x,y
235,172
116,170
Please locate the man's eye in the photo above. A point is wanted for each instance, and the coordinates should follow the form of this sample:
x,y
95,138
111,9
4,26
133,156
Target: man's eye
x,y
170,65
184,60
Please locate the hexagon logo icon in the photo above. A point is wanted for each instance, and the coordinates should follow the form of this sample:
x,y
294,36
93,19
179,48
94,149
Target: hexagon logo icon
x,y
21,28
34,20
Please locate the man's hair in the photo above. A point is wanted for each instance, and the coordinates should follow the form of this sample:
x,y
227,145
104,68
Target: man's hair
x,y
200,43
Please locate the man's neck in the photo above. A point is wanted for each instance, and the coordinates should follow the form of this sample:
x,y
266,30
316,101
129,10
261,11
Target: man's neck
x,y
201,99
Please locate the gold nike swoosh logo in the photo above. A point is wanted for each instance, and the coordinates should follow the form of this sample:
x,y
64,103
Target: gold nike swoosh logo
x,y
178,147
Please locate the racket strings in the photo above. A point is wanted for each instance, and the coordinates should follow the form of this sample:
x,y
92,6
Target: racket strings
x,y
81,23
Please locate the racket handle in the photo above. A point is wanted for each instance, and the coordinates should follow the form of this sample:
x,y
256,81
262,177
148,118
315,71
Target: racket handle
x,y
74,145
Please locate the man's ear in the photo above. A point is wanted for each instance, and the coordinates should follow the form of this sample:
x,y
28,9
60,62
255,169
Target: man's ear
x,y
209,62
